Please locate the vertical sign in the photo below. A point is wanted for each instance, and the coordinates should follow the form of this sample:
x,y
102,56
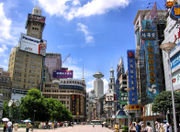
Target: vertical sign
x,y
149,40
132,78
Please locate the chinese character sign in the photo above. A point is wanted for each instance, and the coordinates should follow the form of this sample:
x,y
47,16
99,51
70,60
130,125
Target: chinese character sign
x,y
152,83
132,93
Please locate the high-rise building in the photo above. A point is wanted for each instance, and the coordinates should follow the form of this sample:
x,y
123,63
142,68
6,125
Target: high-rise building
x,y
26,61
149,68
53,62
142,71
98,84
172,34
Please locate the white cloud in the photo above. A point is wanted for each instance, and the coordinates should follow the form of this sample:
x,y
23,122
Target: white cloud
x,y
75,9
5,25
84,29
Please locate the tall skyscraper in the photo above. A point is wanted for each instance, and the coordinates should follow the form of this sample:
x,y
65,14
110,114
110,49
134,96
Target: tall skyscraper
x,y
26,61
98,84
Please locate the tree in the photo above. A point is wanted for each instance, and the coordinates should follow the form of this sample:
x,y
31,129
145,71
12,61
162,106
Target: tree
x,y
5,109
35,107
163,102
33,104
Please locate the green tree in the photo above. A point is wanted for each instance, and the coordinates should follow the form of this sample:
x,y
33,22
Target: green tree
x,y
163,102
5,109
57,111
33,106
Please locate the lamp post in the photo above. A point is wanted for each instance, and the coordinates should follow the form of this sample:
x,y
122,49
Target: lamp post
x,y
167,48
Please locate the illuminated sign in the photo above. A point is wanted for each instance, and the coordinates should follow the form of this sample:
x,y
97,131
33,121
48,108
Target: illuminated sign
x,y
132,77
36,18
175,12
170,4
32,45
133,107
63,74
175,60
152,83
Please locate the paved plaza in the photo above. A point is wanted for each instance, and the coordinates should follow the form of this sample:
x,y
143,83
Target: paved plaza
x,y
76,128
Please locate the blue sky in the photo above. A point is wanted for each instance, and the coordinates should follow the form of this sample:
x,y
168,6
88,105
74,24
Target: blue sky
x,y
95,32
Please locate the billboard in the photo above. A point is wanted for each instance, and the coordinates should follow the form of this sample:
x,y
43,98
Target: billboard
x,y
63,74
109,97
152,83
132,93
32,45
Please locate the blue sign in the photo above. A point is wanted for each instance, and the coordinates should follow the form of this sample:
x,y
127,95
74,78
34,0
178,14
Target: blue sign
x,y
148,35
175,12
152,83
175,60
132,78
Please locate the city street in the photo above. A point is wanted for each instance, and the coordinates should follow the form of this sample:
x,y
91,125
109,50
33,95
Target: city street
x,y
77,128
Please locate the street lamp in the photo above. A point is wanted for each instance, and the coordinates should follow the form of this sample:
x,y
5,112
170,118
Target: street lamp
x,y
167,48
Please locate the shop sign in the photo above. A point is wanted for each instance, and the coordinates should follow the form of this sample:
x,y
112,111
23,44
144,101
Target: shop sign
x,y
175,60
170,4
175,12
132,93
148,35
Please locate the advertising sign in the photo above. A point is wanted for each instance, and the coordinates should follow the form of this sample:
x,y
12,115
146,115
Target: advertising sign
x,y
175,12
36,18
169,4
152,83
175,60
176,78
32,45
132,77
63,74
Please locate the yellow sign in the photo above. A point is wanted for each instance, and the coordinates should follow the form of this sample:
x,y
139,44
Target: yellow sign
x,y
133,107
177,11
170,4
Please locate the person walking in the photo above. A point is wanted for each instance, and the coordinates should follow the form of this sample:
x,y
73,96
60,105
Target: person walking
x,y
5,126
138,127
28,126
116,127
148,128
9,125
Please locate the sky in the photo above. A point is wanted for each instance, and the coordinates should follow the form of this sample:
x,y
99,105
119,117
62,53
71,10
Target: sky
x,y
96,33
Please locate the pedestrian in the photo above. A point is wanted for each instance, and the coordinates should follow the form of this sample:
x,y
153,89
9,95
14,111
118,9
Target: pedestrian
x,y
28,126
5,126
148,128
138,127
15,126
157,126
116,127
102,125
9,125
161,128
133,127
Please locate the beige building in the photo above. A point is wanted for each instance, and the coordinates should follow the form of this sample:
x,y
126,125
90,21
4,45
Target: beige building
x,y
71,93
5,85
26,60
